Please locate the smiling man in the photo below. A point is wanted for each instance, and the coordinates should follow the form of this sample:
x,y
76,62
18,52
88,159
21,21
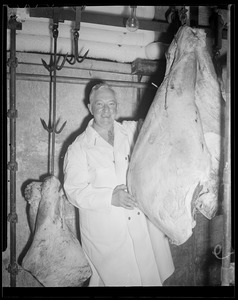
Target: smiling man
x,y
122,246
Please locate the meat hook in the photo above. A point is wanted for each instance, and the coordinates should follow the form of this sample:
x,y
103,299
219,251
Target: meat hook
x,y
183,16
75,31
51,129
53,64
217,24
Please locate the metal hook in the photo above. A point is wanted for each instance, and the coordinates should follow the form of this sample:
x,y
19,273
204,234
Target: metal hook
x,y
76,56
51,129
53,65
47,128
61,128
183,15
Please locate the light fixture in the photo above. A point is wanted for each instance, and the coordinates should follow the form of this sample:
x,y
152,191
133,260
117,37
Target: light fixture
x,y
132,24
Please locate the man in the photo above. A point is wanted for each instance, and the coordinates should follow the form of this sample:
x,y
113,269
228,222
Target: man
x,y
122,246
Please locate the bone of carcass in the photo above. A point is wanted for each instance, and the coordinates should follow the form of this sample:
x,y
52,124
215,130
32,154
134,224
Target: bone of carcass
x,y
55,257
173,170
33,197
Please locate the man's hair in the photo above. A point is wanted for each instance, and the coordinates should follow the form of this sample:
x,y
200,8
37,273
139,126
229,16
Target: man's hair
x,y
97,87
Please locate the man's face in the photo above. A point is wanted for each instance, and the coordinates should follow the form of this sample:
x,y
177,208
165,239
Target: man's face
x,y
103,107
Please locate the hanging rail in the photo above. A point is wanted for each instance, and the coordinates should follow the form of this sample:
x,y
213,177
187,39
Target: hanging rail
x,y
13,25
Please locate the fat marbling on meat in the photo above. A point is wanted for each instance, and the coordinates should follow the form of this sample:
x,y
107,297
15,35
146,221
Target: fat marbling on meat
x,y
174,165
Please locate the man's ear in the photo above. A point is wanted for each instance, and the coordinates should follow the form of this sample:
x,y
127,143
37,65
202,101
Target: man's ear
x,y
90,108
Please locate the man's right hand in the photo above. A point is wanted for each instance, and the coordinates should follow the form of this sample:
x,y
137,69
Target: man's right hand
x,y
121,198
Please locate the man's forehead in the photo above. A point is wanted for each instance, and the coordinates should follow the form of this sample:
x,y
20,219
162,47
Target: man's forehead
x,y
102,92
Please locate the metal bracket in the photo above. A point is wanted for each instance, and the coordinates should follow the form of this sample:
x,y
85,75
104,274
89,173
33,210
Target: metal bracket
x,y
14,24
12,62
231,273
13,268
12,218
139,76
12,113
12,166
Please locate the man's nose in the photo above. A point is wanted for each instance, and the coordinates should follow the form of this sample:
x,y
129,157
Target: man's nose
x,y
106,108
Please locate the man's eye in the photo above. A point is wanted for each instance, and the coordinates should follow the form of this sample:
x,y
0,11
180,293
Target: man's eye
x,y
99,104
112,104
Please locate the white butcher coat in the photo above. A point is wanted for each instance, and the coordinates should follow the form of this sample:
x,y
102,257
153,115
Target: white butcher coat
x,y
123,247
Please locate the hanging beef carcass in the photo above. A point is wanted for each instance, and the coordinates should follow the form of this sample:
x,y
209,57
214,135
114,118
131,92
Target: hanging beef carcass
x,y
55,257
175,163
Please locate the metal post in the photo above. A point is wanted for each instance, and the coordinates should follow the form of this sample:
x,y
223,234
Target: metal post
x,y
12,165
226,247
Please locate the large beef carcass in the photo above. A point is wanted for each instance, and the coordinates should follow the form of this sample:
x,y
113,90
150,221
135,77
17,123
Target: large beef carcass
x,y
55,257
174,168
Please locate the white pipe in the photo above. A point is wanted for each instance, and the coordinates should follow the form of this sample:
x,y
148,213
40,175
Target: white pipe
x,y
156,50
140,38
43,44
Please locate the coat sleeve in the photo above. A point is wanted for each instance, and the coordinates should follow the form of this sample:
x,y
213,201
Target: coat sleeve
x,y
77,186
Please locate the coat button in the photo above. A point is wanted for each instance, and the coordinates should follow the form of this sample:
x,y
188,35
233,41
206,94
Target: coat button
x,y
138,213
129,218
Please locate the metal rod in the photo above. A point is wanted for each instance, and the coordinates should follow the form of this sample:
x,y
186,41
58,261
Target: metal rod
x,y
80,80
55,35
226,248
12,165
50,124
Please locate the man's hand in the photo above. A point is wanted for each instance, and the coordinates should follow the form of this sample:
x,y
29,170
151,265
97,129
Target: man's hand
x,y
121,198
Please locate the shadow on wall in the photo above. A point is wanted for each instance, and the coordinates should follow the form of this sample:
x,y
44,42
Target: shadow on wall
x,y
149,93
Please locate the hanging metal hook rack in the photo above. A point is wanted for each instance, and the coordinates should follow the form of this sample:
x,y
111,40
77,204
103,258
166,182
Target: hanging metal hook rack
x,y
76,57
183,15
52,67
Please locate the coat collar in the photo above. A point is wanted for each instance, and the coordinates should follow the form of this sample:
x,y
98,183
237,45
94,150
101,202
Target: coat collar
x,y
119,134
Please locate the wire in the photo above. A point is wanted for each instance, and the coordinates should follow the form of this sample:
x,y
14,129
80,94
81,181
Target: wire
x,y
217,250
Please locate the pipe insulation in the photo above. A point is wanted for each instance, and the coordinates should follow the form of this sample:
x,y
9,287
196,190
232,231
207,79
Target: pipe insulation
x,y
44,44
139,38
97,49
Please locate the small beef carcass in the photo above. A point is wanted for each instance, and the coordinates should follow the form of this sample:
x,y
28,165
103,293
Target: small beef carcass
x,y
174,167
55,257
